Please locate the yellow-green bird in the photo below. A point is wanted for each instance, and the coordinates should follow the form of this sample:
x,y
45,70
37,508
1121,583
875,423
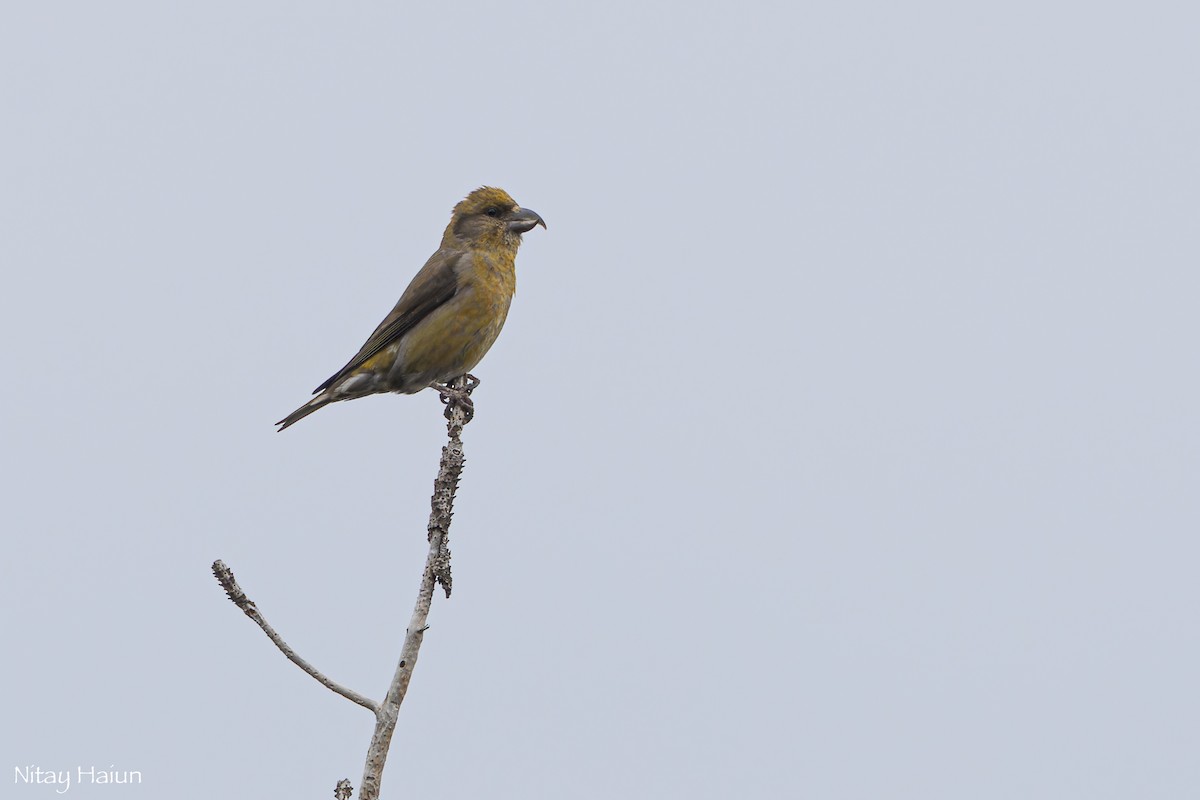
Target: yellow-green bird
x,y
448,316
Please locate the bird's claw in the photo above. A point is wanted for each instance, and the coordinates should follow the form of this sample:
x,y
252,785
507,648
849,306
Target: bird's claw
x,y
460,396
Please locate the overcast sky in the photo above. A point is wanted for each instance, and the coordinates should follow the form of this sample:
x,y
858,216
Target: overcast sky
x,y
842,441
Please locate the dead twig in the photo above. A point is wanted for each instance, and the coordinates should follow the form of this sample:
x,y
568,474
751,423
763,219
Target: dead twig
x,y
230,585
459,411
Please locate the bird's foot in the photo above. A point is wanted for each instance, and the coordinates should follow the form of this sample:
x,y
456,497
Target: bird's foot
x,y
460,396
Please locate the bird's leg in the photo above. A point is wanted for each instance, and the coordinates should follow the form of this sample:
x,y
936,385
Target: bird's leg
x,y
458,395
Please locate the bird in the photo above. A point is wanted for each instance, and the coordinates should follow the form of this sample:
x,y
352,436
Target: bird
x,y
450,314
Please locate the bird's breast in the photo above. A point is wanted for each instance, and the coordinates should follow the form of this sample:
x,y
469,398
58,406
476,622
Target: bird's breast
x,y
456,336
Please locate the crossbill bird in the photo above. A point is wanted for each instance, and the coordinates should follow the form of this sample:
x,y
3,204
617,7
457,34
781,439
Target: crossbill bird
x,y
449,315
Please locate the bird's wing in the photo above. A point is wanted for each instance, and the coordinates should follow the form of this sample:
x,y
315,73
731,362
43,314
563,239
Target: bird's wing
x,y
433,286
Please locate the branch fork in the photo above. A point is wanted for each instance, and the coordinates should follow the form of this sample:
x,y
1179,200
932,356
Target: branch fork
x,y
459,411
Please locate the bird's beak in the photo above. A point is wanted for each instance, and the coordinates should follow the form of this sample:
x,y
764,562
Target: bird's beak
x,y
523,219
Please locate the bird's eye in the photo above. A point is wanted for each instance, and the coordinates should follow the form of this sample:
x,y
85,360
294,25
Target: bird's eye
x,y
492,212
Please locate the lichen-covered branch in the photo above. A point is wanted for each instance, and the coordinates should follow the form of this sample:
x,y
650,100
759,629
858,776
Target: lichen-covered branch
x,y
459,412
225,577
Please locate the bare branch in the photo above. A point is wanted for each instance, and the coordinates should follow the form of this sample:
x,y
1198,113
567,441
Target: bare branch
x,y
459,411
225,577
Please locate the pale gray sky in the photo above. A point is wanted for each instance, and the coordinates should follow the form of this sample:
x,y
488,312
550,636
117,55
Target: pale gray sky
x,y
842,441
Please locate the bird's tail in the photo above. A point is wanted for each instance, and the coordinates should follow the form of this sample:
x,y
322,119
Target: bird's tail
x,y
318,402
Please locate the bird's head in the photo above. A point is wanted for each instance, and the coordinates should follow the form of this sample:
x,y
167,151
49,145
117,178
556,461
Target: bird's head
x,y
489,215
